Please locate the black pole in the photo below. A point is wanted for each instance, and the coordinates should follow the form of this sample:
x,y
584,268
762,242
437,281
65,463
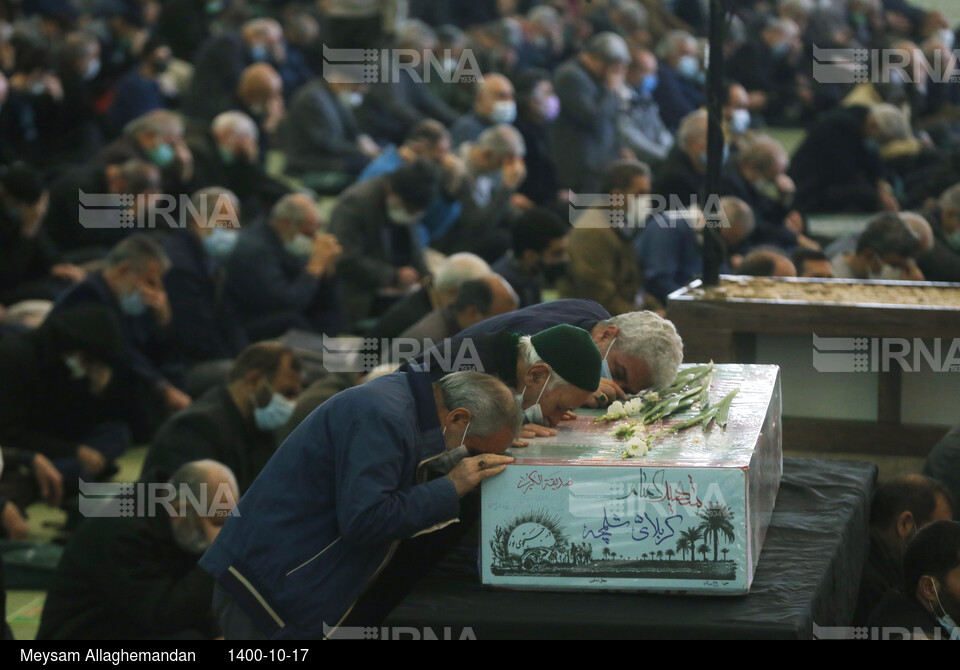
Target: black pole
x,y
713,250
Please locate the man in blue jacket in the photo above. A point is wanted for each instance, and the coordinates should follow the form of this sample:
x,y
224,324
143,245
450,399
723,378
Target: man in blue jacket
x,y
352,481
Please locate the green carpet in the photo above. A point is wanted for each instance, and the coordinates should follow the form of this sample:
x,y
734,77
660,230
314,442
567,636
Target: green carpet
x,y
24,607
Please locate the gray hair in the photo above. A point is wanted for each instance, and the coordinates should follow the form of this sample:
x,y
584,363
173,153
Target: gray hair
x,y
651,338
762,152
670,43
891,122
634,14
736,212
921,228
236,123
459,268
530,356
195,475
158,122
502,141
491,404
608,47
289,208
415,34
693,126
138,249
544,15
950,199
139,176
207,202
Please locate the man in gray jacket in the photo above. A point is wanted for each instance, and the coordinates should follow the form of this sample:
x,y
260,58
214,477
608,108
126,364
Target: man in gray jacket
x,y
584,137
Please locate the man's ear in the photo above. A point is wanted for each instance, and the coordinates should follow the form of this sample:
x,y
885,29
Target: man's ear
x,y
536,374
458,418
607,334
927,590
906,525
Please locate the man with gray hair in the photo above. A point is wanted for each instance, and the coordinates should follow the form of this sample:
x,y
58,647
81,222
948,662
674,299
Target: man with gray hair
x,y
131,286
436,292
584,136
157,138
942,263
679,89
137,577
494,170
758,176
282,274
134,177
640,350
228,155
392,108
681,175
325,515
205,326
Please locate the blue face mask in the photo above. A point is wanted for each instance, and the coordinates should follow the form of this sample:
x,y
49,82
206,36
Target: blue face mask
x,y
93,69
871,145
226,155
275,414
161,155
649,84
259,53
221,242
213,7
781,49
604,366
132,304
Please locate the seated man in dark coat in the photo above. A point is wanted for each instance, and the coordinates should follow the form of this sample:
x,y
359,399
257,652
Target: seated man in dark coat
x,y
228,155
539,256
156,138
281,275
943,464
758,176
136,577
233,423
929,606
323,145
375,221
478,299
900,508
135,177
205,326
65,366
767,68
679,178
131,286
837,167
28,259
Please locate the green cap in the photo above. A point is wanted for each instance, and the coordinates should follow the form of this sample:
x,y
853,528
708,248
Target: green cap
x,y
572,354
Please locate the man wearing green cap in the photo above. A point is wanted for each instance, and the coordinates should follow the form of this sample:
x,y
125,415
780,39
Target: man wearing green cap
x,y
552,373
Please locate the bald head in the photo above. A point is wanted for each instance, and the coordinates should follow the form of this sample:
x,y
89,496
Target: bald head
x,y
295,214
736,221
767,263
495,91
207,480
259,84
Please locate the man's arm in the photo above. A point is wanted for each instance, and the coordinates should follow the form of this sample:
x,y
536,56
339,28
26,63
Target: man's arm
x,y
374,504
347,223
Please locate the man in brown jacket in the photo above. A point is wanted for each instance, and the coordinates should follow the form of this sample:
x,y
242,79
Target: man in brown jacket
x,y
603,263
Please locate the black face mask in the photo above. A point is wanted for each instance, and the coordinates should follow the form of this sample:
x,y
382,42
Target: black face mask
x,y
553,271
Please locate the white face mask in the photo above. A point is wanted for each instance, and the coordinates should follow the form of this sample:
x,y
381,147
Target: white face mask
x,y
462,439
300,245
887,272
504,111
740,121
399,214
534,413
75,365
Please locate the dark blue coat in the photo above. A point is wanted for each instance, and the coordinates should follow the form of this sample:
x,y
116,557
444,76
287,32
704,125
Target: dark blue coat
x,y
321,518
205,326
145,344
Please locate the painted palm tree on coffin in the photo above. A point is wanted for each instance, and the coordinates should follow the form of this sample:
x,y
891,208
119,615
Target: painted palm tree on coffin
x,y
691,535
716,524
